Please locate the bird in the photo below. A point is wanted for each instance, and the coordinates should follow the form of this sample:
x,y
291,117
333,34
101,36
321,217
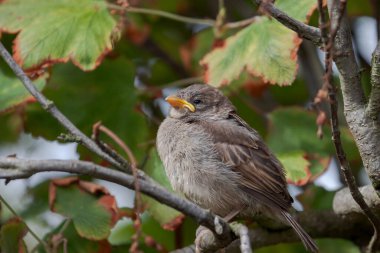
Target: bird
x,y
216,160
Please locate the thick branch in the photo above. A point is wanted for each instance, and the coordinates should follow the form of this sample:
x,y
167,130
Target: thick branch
x,y
304,31
345,222
365,131
349,225
344,164
373,108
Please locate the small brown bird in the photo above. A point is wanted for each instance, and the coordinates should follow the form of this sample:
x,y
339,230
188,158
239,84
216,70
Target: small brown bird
x,y
219,162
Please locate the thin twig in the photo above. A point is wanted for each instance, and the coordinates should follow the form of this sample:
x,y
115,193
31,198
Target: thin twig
x,y
133,164
220,20
39,240
328,82
99,127
176,17
240,24
130,9
304,31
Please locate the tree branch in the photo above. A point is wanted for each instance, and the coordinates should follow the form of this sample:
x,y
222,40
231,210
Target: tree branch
x,y
328,40
304,31
14,168
347,223
148,186
365,131
373,108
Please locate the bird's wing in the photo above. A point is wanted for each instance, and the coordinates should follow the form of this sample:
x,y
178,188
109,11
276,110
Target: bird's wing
x,y
241,147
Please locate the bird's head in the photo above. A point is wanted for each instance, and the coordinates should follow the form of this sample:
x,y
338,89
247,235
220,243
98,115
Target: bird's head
x,y
199,101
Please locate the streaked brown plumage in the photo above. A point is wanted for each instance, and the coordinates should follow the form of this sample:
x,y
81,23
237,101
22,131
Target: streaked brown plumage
x,y
218,161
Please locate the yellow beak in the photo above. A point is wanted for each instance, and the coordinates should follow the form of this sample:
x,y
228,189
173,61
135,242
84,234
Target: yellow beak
x,y
180,103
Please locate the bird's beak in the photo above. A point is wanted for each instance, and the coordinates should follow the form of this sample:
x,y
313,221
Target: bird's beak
x,y
180,103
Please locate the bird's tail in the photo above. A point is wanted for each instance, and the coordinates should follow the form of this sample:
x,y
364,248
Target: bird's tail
x,y
307,241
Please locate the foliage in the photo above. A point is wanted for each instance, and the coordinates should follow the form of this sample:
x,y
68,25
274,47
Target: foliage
x,y
98,62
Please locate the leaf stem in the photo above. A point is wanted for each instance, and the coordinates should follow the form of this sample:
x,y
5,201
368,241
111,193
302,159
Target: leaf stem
x,y
198,21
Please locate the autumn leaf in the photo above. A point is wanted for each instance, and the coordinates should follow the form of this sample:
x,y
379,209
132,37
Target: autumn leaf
x,y
266,49
92,209
297,167
57,31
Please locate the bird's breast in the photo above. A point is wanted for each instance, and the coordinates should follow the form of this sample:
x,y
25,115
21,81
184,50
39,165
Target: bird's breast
x,y
193,166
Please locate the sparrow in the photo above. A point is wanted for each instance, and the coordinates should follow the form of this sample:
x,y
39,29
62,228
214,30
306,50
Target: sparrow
x,y
216,160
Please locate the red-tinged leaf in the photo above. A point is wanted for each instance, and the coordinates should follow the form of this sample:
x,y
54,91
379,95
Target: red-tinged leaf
x,y
137,35
11,236
109,202
297,167
266,49
80,31
175,223
255,87
92,209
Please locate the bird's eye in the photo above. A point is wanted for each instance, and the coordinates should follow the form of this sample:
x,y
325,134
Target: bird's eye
x,y
197,101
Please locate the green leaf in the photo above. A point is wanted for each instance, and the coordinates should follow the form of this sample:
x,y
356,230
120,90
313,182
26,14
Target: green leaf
x,y
292,131
266,49
316,198
68,29
296,167
168,217
12,91
91,220
11,235
106,94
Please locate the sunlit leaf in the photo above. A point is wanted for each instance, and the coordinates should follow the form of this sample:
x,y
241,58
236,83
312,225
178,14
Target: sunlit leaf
x,y
296,167
58,31
266,48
